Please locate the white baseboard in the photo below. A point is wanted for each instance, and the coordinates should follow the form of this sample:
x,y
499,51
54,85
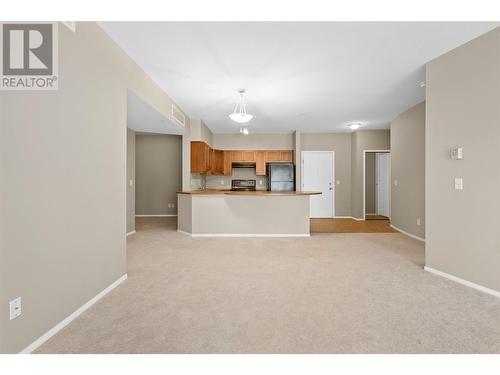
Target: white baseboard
x,y
155,215
463,282
51,332
408,234
245,234
346,217
131,233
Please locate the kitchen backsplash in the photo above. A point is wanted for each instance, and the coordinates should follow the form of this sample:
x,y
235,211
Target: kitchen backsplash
x,y
224,182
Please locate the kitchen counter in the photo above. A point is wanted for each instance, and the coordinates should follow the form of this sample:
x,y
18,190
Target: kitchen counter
x,y
256,192
226,213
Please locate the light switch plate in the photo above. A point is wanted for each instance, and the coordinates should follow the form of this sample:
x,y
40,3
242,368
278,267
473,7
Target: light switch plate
x,y
395,182
459,183
15,308
457,153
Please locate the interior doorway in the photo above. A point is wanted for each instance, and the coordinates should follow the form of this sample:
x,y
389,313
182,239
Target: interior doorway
x,y
318,174
376,184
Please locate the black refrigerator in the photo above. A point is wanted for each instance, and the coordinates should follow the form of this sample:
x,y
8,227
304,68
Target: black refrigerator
x,y
280,177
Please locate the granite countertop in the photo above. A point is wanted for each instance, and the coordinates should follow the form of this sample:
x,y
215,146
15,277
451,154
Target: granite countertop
x,y
251,193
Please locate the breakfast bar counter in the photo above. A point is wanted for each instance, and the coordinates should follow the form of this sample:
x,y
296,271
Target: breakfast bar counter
x,y
243,213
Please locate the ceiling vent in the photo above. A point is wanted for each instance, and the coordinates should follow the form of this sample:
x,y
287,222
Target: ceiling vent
x,y
178,116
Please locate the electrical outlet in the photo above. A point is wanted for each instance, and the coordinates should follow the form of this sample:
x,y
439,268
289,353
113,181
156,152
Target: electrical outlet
x,y
396,182
222,182
338,182
459,183
15,308
418,221
131,183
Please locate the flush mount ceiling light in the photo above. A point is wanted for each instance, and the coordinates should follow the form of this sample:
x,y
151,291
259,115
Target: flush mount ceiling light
x,y
421,84
240,114
244,130
354,125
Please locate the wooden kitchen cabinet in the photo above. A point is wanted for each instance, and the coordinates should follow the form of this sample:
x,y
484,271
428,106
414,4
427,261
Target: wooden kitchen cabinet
x,y
273,156
260,163
228,168
200,157
236,156
218,162
287,156
207,160
248,156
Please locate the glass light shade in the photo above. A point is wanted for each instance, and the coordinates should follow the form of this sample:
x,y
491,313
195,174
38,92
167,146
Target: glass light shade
x,y
240,117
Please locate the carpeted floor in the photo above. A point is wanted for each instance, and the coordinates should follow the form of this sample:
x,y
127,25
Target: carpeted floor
x,y
330,293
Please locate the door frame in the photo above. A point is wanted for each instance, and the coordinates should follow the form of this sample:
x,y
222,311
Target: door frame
x,y
364,180
334,187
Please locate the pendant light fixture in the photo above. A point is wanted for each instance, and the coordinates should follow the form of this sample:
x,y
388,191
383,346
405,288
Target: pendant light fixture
x,y
240,114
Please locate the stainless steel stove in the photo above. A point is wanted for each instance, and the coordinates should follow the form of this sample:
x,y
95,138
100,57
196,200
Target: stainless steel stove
x,y
243,185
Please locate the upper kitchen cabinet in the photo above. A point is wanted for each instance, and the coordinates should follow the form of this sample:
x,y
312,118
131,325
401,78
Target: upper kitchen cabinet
x,y
228,168
243,156
218,163
236,156
279,156
205,159
287,156
248,156
260,163
200,157
272,156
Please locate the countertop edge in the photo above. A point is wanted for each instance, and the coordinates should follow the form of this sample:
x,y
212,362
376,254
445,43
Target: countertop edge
x,y
248,193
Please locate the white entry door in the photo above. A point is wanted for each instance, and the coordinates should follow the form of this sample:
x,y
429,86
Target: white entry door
x,y
318,175
382,166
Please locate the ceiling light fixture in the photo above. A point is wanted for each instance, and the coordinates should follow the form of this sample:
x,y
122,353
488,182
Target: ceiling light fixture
x,y
354,125
244,130
240,114
422,84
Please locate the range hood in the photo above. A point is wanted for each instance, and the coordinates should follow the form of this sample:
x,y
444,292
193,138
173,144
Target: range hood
x,y
243,165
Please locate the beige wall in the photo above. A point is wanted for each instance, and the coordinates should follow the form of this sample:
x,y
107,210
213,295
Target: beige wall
x,y
463,110
370,183
63,163
158,173
199,131
363,140
341,144
408,169
130,183
253,141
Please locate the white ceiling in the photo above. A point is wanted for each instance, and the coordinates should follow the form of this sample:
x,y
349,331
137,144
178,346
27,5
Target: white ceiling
x,y
141,117
308,76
